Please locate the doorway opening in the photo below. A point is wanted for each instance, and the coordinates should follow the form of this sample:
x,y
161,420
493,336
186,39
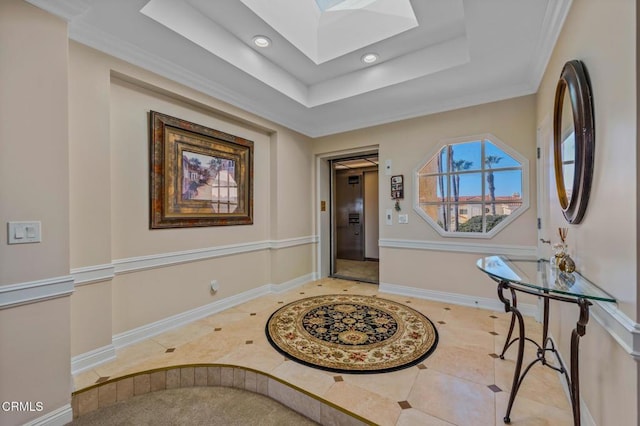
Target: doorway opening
x,y
354,218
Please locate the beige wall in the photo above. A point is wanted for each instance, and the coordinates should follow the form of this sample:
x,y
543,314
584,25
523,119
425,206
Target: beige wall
x,y
604,36
109,147
407,143
34,353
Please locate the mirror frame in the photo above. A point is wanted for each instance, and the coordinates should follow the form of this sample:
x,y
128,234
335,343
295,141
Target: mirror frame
x,y
574,82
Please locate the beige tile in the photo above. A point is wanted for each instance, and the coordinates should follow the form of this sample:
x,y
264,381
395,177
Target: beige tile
x,y
181,335
541,384
107,395
251,381
473,318
452,399
262,384
295,399
463,337
173,378
201,376
129,357
124,389
310,379
85,379
158,380
268,303
413,417
367,404
213,376
252,356
88,401
187,377
226,376
74,406
395,385
526,412
330,416
141,384
224,318
470,365
206,349
238,378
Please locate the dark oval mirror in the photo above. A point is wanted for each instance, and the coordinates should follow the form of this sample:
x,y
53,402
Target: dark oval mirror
x,y
573,140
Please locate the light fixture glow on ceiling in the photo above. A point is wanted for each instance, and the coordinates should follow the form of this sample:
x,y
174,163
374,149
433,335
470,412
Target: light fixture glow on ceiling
x,y
261,41
369,58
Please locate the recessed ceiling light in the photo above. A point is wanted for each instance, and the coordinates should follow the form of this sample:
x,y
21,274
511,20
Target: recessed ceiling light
x,y
369,58
261,41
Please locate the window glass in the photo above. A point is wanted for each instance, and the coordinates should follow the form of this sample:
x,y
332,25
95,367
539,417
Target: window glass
x,y
465,156
471,188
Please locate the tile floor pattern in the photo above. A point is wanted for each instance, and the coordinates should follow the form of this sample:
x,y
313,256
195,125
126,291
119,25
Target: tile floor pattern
x,y
462,383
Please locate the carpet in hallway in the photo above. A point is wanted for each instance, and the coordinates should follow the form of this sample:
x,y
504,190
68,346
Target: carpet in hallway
x,y
351,333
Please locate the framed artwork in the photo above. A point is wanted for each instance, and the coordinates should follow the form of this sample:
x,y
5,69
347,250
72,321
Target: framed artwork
x,y
198,176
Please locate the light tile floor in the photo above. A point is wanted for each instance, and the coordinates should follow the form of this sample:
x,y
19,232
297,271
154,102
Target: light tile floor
x,y
462,383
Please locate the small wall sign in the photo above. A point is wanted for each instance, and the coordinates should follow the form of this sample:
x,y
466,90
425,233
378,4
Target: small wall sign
x,y
397,187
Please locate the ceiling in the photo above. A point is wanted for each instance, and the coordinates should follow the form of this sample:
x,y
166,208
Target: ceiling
x,y
433,55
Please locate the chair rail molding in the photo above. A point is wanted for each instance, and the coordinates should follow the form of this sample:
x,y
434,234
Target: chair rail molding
x,y
141,263
527,252
35,291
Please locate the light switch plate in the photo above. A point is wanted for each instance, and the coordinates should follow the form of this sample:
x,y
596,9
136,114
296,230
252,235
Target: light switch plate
x,y
24,232
389,217
387,167
403,218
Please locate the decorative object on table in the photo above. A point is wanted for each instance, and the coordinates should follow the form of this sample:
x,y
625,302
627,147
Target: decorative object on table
x,y
573,140
564,262
351,333
565,280
559,251
567,264
199,176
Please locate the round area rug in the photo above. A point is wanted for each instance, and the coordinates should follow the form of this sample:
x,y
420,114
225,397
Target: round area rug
x,y
351,334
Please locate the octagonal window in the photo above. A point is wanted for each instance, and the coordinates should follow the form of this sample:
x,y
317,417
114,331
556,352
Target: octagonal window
x,y
472,187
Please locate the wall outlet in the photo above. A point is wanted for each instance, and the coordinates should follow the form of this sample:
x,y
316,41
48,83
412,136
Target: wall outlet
x,y
403,218
388,217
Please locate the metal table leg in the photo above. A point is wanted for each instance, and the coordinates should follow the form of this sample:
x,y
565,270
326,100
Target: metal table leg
x,y
511,305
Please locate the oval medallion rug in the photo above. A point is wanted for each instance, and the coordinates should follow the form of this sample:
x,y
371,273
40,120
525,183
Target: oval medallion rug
x,y
351,334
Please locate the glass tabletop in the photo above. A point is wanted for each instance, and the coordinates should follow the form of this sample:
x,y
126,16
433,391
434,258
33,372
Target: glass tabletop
x,y
542,276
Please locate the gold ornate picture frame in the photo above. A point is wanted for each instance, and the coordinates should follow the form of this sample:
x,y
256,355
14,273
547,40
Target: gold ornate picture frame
x,y
198,176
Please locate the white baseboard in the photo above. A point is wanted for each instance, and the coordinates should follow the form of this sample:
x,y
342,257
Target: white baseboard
x,y
455,298
58,417
88,360
147,331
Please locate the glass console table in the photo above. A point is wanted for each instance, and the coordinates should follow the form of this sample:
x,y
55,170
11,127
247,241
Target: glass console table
x,y
540,278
